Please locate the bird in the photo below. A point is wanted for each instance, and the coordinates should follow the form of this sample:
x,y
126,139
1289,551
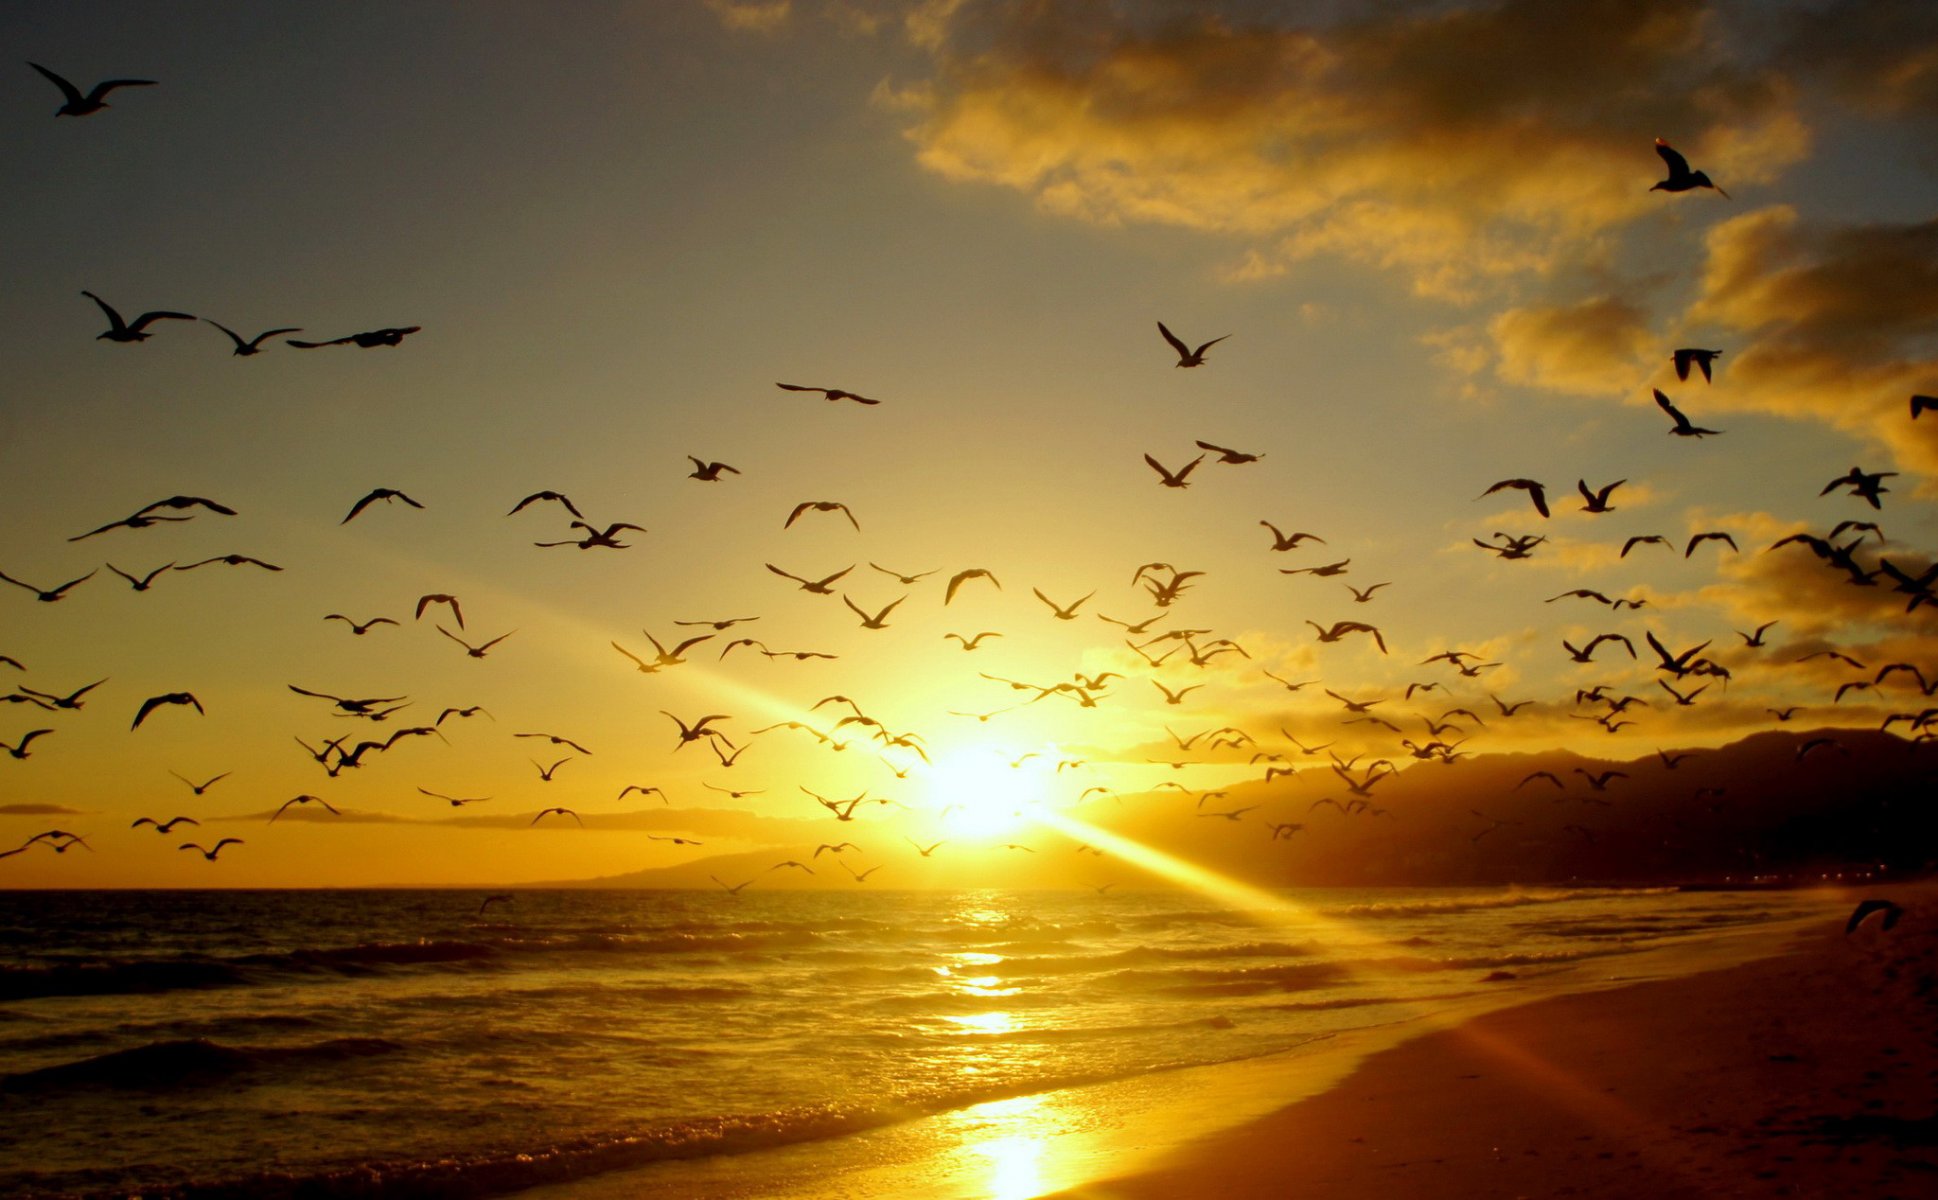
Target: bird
x,y
1338,568
253,346
423,602
79,105
1868,485
563,812
1700,538
1683,428
1187,357
645,790
821,506
454,801
1290,541
354,706
925,851
163,826
1681,178
671,658
304,799
131,331
141,583
230,560
1596,501
462,713
1365,595
545,773
820,587
832,394
1755,639
964,576
1063,612
211,851
732,889
71,701
205,785
479,650
500,898
1644,539
698,729
375,337
1892,912
383,493
1535,492
1175,697
1174,479
138,521
677,841
556,740
556,497
359,628
708,472
875,621
1340,629
607,537
49,595
970,643
1922,404
1700,359
1587,653
1227,455
153,702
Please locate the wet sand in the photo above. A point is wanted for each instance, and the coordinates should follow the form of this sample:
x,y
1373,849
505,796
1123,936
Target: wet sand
x,y
1814,1074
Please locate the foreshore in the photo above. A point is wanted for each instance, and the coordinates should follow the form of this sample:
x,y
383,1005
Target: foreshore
x,y
1810,1074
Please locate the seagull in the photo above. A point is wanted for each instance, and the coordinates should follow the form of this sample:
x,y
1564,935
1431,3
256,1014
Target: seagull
x,y
1338,568
199,788
732,889
1063,612
306,798
545,773
477,651
1187,357
455,801
924,851
1597,501
559,497
1228,455
245,349
607,537
819,587
699,729
1340,629
556,740
360,628
1866,907
1534,490
71,701
1681,178
1922,404
153,702
1867,484
1755,639
1364,595
462,713
1683,428
1704,537
1688,355
1285,541
1177,697
231,560
163,826
144,520
962,577
833,394
1645,538
211,851
141,583
135,331
821,506
563,812
426,601
377,337
677,841
501,898
80,106
878,620
383,493
1174,479
970,643
708,472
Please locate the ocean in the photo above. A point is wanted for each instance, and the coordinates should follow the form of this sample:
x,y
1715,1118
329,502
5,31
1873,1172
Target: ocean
x,y
423,1043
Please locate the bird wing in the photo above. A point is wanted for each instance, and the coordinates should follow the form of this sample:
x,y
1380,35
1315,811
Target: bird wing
x,y
1678,165
1183,350
72,93
114,318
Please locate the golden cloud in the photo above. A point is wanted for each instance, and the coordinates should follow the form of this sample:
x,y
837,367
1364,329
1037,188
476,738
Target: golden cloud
x,y
1455,146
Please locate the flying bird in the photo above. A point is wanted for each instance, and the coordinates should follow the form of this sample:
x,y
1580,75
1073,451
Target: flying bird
x,y
253,346
131,331
708,472
230,560
1063,612
383,493
306,798
1596,501
423,602
163,826
1681,178
359,628
1174,479
1285,541
1187,357
1700,359
820,587
376,337
1682,427
832,394
563,812
211,851
479,650
153,702
199,788
1700,538
1892,912
79,105
962,577
821,506
1227,455
1534,490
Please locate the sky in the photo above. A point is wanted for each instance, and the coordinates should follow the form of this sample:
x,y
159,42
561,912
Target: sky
x,y
1425,233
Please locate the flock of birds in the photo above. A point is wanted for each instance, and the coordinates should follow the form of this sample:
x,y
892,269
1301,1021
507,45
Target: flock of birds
x,y
1149,641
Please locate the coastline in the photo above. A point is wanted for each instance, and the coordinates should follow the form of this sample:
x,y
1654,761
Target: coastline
x,y
1813,1073
1241,1124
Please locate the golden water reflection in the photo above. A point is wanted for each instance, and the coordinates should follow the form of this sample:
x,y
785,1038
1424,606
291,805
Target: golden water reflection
x,y
1006,1136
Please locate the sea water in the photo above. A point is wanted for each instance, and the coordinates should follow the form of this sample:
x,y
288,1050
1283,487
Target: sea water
x,y
424,1043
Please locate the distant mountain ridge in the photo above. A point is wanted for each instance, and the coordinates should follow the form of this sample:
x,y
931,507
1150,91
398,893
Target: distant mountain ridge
x,y
1774,804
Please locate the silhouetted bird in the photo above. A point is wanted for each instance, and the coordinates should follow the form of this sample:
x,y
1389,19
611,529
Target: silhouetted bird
x,y
131,331
1681,178
376,337
79,105
253,346
1187,357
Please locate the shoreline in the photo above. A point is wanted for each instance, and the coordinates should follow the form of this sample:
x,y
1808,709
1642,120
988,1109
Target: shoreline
x,y
1153,1135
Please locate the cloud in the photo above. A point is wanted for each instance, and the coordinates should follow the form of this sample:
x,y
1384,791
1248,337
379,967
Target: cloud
x,y
38,810
753,16
1840,324
1590,348
1454,145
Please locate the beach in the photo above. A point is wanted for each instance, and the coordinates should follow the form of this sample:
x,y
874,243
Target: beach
x,y
1810,1074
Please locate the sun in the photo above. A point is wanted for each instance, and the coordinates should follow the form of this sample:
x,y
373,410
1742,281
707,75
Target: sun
x,y
988,791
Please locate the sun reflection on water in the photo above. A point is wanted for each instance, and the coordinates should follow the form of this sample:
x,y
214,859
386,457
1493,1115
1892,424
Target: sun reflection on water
x,y
1008,1142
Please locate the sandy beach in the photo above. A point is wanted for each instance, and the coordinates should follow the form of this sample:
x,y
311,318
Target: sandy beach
x,y
1810,1074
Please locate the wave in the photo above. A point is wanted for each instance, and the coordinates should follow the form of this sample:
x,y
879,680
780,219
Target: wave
x,y
1441,905
187,1063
